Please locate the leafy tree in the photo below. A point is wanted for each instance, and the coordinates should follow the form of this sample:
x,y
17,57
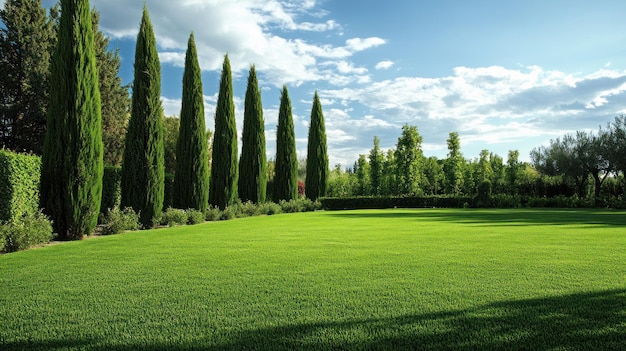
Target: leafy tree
x,y
362,171
27,41
453,166
286,171
143,171
433,176
191,179
561,158
317,154
594,153
114,96
513,171
253,162
224,172
617,146
389,181
409,157
72,162
483,171
377,159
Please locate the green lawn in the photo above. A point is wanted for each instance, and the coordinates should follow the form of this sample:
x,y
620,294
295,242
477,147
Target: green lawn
x,y
381,279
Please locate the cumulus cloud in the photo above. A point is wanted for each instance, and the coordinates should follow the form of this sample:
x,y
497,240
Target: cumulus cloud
x,y
489,105
250,31
384,65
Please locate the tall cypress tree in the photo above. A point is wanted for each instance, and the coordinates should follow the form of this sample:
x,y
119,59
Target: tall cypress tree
x,y
143,173
317,154
72,163
286,179
253,162
191,180
224,172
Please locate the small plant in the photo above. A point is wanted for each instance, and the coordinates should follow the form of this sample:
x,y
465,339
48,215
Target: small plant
x,y
195,216
246,209
269,208
173,217
30,230
229,213
213,214
117,221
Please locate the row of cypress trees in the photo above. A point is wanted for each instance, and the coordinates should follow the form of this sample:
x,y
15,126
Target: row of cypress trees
x,y
72,163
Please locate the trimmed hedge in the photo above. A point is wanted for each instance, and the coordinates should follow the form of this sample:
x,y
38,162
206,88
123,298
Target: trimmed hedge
x,y
372,202
19,185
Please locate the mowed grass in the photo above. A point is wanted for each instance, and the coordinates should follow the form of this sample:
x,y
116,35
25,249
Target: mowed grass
x,y
382,279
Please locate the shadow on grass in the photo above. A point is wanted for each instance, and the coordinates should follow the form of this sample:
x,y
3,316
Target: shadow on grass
x,y
503,217
591,321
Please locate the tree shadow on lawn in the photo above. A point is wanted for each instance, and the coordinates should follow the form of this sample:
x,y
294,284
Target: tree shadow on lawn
x,y
499,217
586,321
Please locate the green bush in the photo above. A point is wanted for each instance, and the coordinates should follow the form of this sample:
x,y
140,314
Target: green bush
x,y
19,185
111,189
213,214
229,213
173,217
269,208
30,230
195,216
380,202
117,221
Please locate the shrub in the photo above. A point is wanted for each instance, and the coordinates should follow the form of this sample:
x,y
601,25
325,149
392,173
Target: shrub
x,y
379,202
229,212
195,216
300,205
213,214
246,209
269,208
30,230
19,185
173,216
117,221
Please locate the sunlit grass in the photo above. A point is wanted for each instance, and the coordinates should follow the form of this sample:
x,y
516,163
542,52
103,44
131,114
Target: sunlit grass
x,y
384,279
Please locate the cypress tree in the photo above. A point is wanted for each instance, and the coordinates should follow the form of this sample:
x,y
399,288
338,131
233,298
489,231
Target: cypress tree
x,y
286,179
224,172
72,163
253,162
143,172
317,154
191,179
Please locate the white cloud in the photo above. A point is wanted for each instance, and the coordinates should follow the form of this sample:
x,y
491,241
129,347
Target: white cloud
x,y
250,31
386,64
486,105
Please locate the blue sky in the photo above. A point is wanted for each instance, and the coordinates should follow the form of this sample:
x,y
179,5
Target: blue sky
x,y
504,75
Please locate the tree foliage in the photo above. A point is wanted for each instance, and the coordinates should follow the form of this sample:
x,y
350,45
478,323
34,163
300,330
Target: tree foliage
x,y
453,165
408,156
317,154
253,162
143,172
286,167
72,163
191,179
224,171
27,41
114,96
377,159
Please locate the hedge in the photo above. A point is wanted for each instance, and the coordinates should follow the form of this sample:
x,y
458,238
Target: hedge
x,y
19,185
372,202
